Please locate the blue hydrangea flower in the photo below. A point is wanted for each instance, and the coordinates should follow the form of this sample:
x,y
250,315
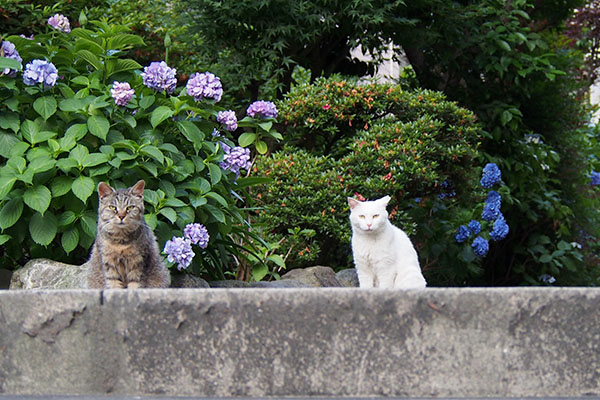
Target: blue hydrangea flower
x,y
228,119
122,93
595,178
491,207
500,229
40,71
179,250
197,234
60,22
9,50
480,246
159,76
262,109
236,158
545,278
204,86
491,175
463,234
474,227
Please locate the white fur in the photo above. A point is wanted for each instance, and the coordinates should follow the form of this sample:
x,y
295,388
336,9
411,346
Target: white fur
x,y
383,254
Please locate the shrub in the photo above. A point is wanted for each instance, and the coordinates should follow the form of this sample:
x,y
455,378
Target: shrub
x,y
417,147
59,139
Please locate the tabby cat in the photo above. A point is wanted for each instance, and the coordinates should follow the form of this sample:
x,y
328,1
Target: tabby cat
x,y
125,253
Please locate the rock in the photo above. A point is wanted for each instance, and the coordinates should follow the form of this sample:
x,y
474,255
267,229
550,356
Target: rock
x,y
5,276
314,276
47,274
280,284
229,284
348,277
188,281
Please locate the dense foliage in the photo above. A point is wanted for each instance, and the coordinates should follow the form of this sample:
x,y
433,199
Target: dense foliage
x,y
415,146
77,111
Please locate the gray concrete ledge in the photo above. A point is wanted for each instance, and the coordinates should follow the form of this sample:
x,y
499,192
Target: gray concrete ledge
x,y
334,342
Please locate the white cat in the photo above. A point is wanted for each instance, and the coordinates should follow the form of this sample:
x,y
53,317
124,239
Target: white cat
x,y
383,254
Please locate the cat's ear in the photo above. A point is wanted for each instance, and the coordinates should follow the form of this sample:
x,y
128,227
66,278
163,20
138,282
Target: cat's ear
x,y
104,190
138,188
352,202
385,200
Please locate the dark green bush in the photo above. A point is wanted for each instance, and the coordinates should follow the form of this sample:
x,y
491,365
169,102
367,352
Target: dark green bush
x,y
419,148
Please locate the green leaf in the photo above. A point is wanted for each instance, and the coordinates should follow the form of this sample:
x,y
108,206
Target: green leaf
x,y
266,125
11,212
169,213
153,152
218,198
10,63
98,126
29,130
246,139
6,185
61,185
70,240
90,58
10,120
174,202
215,174
43,228
545,258
93,159
151,220
79,154
191,132
159,115
88,223
42,164
7,141
277,259
505,117
77,131
83,187
45,106
261,147
38,198
125,41
504,45
66,218
81,80
146,102
115,66
259,271
4,239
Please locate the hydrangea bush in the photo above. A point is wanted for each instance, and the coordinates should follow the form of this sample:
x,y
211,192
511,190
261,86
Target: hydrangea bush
x,y
74,112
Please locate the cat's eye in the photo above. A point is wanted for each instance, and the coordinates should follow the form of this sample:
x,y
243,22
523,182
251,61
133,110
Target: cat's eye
x,y
112,208
129,208
361,217
375,216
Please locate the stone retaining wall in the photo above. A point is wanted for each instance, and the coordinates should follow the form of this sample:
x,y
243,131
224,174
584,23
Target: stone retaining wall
x,y
302,342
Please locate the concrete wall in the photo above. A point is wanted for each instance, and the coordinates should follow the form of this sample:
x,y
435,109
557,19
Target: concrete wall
x,y
302,342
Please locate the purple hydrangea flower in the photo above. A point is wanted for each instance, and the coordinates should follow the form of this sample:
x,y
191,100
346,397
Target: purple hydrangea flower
x,y
262,109
474,227
179,250
462,234
159,76
204,86
595,178
480,246
60,22
8,50
40,71
122,93
491,208
236,158
500,229
228,119
491,175
197,234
